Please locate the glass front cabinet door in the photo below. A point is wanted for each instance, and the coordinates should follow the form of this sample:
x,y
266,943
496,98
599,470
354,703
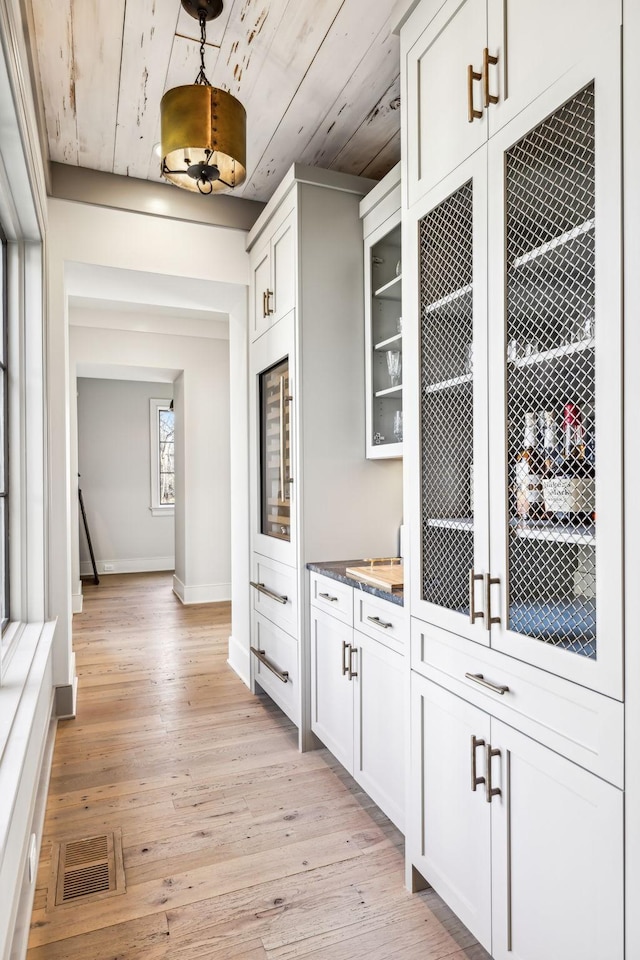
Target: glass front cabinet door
x,y
273,474
520,387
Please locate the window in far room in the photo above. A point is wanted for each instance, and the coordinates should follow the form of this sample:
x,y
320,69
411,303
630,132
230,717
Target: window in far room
x,y
162,457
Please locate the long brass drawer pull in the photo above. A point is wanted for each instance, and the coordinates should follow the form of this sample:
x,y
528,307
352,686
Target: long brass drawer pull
x,y
267,297
471,76
345,666
260,587
327,596
380,623
489,582
261,656
491,790
352,673
473,613
475,779
487,59
495,687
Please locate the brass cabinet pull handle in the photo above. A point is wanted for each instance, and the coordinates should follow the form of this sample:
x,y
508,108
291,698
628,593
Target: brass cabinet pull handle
x,y
352,673
380,623
491,791
479,678
268,294
475,779
327,596
471,76
260,587
473,613
261,656
489,581
487,59
345,666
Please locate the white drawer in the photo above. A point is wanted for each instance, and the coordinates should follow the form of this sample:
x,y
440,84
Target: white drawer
x,y
275,592
578,723
332,596
380,619
274,665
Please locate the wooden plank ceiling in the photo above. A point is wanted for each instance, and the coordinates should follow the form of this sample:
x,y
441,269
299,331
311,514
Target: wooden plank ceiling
x,y
319,80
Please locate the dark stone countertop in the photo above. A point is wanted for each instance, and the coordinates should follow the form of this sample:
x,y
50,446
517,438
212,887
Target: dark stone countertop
x,y
335,569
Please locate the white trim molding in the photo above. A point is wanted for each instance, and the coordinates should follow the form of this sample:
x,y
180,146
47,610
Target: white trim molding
x,y
201,592
132,565
238,660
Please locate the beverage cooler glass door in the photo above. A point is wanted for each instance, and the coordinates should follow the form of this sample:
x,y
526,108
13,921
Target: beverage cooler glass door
x,y
275,452
558,349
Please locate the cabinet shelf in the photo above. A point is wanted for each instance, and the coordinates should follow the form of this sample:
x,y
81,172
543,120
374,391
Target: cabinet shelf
x,y
583,533
451,523
558,353
450,298
545,248
390,392
388,343
447,384
391,290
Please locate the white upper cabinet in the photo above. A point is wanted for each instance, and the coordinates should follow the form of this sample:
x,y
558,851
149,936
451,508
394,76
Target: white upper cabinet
x,y
535,46
445,120
380,213
273,276
475,64
515,469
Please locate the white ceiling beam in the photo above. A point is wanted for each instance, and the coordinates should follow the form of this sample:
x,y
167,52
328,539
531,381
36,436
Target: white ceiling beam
x,y
356,102
149,30
54,28
97,48
361,43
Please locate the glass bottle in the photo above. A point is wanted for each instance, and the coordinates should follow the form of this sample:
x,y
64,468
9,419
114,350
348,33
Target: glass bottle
x,y
528,474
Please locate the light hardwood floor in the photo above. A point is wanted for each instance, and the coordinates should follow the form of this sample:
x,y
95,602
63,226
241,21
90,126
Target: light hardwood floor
x,y
236,847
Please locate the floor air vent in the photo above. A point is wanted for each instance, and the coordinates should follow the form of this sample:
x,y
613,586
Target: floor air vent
x,y
87,869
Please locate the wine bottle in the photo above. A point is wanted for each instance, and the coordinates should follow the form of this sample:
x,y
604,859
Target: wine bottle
x,y
550,455
569,496
584,471
528,471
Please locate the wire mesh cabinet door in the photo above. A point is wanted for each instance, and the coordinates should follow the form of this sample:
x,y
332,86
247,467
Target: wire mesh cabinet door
x,y
555,385
449,547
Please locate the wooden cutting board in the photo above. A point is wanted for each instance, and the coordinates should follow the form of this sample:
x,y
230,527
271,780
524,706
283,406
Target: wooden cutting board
x,y
385,576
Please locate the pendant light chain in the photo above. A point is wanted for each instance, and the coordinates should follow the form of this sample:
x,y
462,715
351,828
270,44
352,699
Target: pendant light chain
x,y
202,77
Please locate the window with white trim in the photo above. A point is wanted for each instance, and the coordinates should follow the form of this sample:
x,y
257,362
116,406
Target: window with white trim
x,y
162,433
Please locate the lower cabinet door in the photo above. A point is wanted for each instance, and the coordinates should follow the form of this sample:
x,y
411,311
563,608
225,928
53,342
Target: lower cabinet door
x,y
331,686
557,837
449,833
379,722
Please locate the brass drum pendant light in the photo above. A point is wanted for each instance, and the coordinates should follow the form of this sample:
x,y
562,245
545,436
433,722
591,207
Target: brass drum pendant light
x,y
203,129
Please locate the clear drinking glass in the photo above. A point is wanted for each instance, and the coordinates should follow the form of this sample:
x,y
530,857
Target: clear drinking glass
x,y
397,426
394,367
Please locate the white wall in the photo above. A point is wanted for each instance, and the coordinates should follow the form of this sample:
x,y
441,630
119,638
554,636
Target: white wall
x,y
114,463
85,234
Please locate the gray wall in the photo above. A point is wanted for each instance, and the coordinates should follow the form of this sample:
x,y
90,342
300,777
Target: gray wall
x,y
115,476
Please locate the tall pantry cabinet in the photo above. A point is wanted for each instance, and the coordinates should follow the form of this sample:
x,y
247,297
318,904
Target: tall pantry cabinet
x,y
512,313
314,495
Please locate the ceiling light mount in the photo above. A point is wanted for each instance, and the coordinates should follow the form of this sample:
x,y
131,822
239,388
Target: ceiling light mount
x,y
210,9
203,128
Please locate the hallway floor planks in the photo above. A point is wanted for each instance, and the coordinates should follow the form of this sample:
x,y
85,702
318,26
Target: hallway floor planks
x,y
236,846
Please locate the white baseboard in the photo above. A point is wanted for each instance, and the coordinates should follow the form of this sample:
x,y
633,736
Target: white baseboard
x,y
76,603
239,660
202,592
135,565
